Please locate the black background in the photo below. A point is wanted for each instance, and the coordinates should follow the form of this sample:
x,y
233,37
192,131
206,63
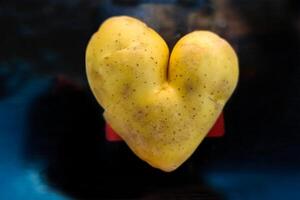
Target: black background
x,y
43,52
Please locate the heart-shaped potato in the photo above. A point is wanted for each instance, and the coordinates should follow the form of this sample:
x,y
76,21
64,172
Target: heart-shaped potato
x,y
162,107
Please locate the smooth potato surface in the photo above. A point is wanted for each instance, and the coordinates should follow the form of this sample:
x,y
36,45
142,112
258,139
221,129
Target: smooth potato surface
x,y
162,107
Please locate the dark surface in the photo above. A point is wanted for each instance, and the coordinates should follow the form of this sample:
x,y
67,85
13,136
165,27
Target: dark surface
x,y
52,142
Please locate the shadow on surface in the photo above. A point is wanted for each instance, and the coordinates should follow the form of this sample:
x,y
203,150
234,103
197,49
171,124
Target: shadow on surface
x,y
67,136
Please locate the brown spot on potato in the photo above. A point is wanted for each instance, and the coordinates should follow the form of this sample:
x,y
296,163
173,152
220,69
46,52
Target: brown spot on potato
x,y
140,115
126,91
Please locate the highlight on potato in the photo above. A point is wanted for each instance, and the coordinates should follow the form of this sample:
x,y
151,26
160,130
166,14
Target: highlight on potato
x,y
161,105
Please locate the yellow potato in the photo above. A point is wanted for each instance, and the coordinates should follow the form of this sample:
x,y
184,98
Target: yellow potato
x,y
162,107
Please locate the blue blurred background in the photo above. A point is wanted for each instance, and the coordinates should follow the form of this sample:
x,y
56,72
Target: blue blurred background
x,y
52,143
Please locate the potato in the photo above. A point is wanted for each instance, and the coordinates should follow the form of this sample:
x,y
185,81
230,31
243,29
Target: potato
x,y
162,107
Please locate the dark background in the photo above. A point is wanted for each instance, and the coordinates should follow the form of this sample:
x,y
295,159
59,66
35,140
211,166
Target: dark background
x,y
52,143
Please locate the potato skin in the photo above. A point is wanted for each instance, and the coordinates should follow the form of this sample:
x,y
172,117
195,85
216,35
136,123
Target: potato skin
x,y
162,108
